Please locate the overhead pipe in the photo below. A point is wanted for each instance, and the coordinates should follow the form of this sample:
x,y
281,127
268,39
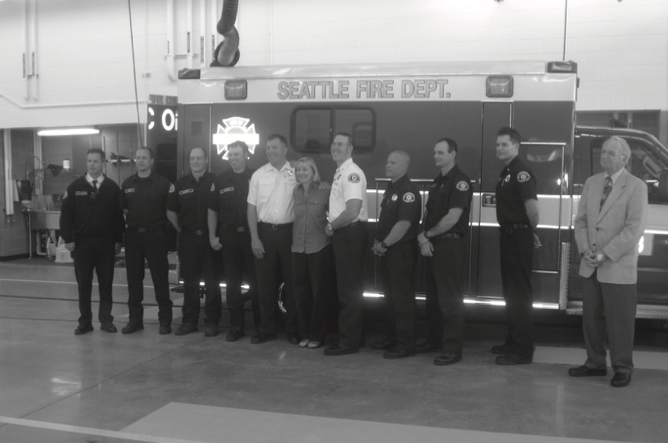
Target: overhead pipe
x,y
9,180
227,52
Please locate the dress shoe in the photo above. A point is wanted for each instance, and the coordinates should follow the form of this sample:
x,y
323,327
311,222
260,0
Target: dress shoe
x,y
340,350
583,371
82,329
449,358
108,327
425,347
620,380
384,344
261,338
234,335
293,339
395,353
513,359
303,343
132,327
211,330
502,349
165,329
185,329
314,344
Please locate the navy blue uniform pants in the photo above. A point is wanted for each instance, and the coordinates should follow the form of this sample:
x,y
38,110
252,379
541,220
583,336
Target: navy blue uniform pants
x,y
445,295
398,273
274,268
516,261
196,262
238,259
149,246
315,291
94,254
350,245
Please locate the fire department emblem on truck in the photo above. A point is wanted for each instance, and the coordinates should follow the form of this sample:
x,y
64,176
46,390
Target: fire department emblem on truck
x,y
235,129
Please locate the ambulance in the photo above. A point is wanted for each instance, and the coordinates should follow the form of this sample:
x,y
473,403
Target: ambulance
x,y
411,106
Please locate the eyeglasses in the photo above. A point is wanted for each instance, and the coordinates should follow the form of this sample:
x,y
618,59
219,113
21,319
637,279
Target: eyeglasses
x,y
611,154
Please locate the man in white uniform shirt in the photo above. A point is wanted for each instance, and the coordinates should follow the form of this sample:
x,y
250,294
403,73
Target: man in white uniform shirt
x,y
347,214
270,218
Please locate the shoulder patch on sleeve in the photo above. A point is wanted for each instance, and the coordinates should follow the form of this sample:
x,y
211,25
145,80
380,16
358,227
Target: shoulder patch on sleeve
x,y
523,176
463,186
354,178
409,197
171,188
213,187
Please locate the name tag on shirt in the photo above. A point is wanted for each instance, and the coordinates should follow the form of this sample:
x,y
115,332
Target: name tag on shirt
x,y
229,189
81,193
186,191
129,190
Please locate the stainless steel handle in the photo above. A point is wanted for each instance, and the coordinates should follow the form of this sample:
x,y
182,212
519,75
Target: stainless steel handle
x,y
489,199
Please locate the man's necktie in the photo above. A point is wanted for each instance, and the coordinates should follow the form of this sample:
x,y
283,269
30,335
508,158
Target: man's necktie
x,y
95,185
606,191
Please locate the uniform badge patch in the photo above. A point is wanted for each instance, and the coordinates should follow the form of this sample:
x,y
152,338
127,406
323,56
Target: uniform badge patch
x,y
409,197
394,197
129,190
507,179
523,177
213,187
65,195
463,186
171,188
354,178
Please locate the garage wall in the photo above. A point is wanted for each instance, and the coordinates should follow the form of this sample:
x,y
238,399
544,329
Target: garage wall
x,y
84,60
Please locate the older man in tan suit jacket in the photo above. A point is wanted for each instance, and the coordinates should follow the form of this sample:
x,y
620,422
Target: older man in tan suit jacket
x,y
610,222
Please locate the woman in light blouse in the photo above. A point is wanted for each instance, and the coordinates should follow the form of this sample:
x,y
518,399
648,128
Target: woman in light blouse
x,y
312,256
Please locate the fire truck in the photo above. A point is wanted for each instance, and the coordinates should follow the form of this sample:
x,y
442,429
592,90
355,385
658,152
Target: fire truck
x,y
411,106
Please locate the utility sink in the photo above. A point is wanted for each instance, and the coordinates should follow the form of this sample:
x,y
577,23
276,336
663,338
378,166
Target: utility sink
x,y
42,219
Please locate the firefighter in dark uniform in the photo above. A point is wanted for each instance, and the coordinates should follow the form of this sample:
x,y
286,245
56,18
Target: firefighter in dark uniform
x,y
228,218
396,244
187,212
517,214
144,199
91,224
443,244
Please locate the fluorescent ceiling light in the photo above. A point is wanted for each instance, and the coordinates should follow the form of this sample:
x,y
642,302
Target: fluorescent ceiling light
x,y
68,131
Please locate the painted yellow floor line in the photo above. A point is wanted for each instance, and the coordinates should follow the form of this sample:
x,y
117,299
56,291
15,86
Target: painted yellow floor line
x,y
215,424
91,431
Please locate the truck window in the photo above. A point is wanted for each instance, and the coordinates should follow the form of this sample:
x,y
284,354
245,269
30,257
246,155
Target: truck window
x,y
314,128
546,161
643,163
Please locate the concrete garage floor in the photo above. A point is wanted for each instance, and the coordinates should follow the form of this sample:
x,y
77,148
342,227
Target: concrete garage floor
x,y
100,387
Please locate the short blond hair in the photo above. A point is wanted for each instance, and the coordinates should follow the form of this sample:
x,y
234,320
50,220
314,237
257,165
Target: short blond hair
x,y
309,161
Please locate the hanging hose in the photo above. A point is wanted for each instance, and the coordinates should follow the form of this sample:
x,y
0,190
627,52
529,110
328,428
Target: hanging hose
x,y
227,52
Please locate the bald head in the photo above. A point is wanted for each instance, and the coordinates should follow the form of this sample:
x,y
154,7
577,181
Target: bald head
x,y
397,165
